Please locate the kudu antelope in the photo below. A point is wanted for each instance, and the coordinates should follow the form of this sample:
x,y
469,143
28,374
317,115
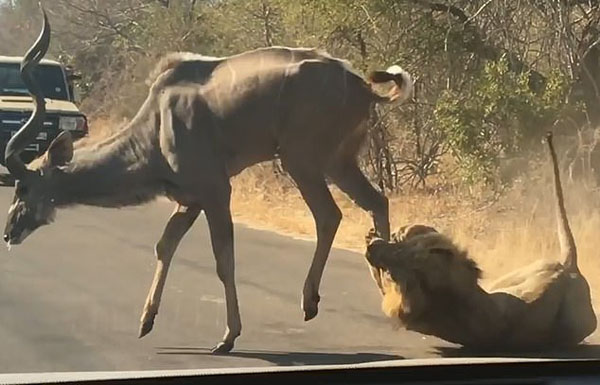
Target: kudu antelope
x,y
431,286
203,121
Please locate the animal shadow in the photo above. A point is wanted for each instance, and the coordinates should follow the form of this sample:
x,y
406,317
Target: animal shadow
x,y
583,351
288,358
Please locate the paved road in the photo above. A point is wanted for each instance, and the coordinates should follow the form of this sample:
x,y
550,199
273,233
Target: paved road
x,y
71,297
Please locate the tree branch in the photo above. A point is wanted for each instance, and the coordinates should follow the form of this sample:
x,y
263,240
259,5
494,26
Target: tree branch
x,y
477,45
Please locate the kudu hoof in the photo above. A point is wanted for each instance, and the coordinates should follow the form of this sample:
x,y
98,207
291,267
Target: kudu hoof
x,y
310,308
310,313
222,348
146,327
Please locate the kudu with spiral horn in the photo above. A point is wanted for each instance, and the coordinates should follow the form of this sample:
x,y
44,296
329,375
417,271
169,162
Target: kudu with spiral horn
x,y
204,120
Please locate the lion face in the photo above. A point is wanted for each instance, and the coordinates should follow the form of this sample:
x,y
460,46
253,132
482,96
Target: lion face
x,y
419,268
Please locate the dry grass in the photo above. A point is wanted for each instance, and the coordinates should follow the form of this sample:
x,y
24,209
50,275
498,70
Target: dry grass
x,y
102,126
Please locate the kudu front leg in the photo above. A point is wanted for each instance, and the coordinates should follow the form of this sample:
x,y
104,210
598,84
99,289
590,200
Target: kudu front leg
x,y
220,224
179,223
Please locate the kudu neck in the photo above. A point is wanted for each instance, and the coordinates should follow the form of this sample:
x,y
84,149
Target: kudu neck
x,y
114,172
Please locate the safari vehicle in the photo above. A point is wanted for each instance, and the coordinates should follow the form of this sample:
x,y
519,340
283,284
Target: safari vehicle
x,y
56,82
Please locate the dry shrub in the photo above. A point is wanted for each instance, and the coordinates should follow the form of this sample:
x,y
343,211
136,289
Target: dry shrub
x,y
102,126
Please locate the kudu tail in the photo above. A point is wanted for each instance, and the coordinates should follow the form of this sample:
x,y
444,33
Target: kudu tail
x,y
403,83
568,248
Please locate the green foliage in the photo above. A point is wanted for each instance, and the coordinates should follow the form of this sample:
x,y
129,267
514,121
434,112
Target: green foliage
x,y
498,118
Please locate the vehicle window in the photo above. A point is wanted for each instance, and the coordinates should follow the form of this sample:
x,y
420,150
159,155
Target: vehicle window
x,y
50,78
299,182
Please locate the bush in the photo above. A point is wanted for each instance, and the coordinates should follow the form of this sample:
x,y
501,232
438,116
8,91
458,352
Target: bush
x,y
498,118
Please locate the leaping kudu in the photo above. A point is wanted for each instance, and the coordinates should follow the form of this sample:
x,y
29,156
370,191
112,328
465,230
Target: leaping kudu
x,y
204,120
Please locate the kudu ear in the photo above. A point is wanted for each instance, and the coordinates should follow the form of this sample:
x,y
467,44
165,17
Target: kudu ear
x,y
60,151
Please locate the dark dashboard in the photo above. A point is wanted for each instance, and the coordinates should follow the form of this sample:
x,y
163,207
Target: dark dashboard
x,y
421,372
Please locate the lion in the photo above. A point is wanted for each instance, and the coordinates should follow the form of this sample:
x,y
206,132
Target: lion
x,y
431,285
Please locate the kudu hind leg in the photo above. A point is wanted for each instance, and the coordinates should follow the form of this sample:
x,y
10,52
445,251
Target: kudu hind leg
x,y
327,218
350,179
179,223
221,234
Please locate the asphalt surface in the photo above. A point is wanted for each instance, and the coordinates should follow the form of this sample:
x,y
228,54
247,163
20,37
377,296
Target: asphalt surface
x,y
71,298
